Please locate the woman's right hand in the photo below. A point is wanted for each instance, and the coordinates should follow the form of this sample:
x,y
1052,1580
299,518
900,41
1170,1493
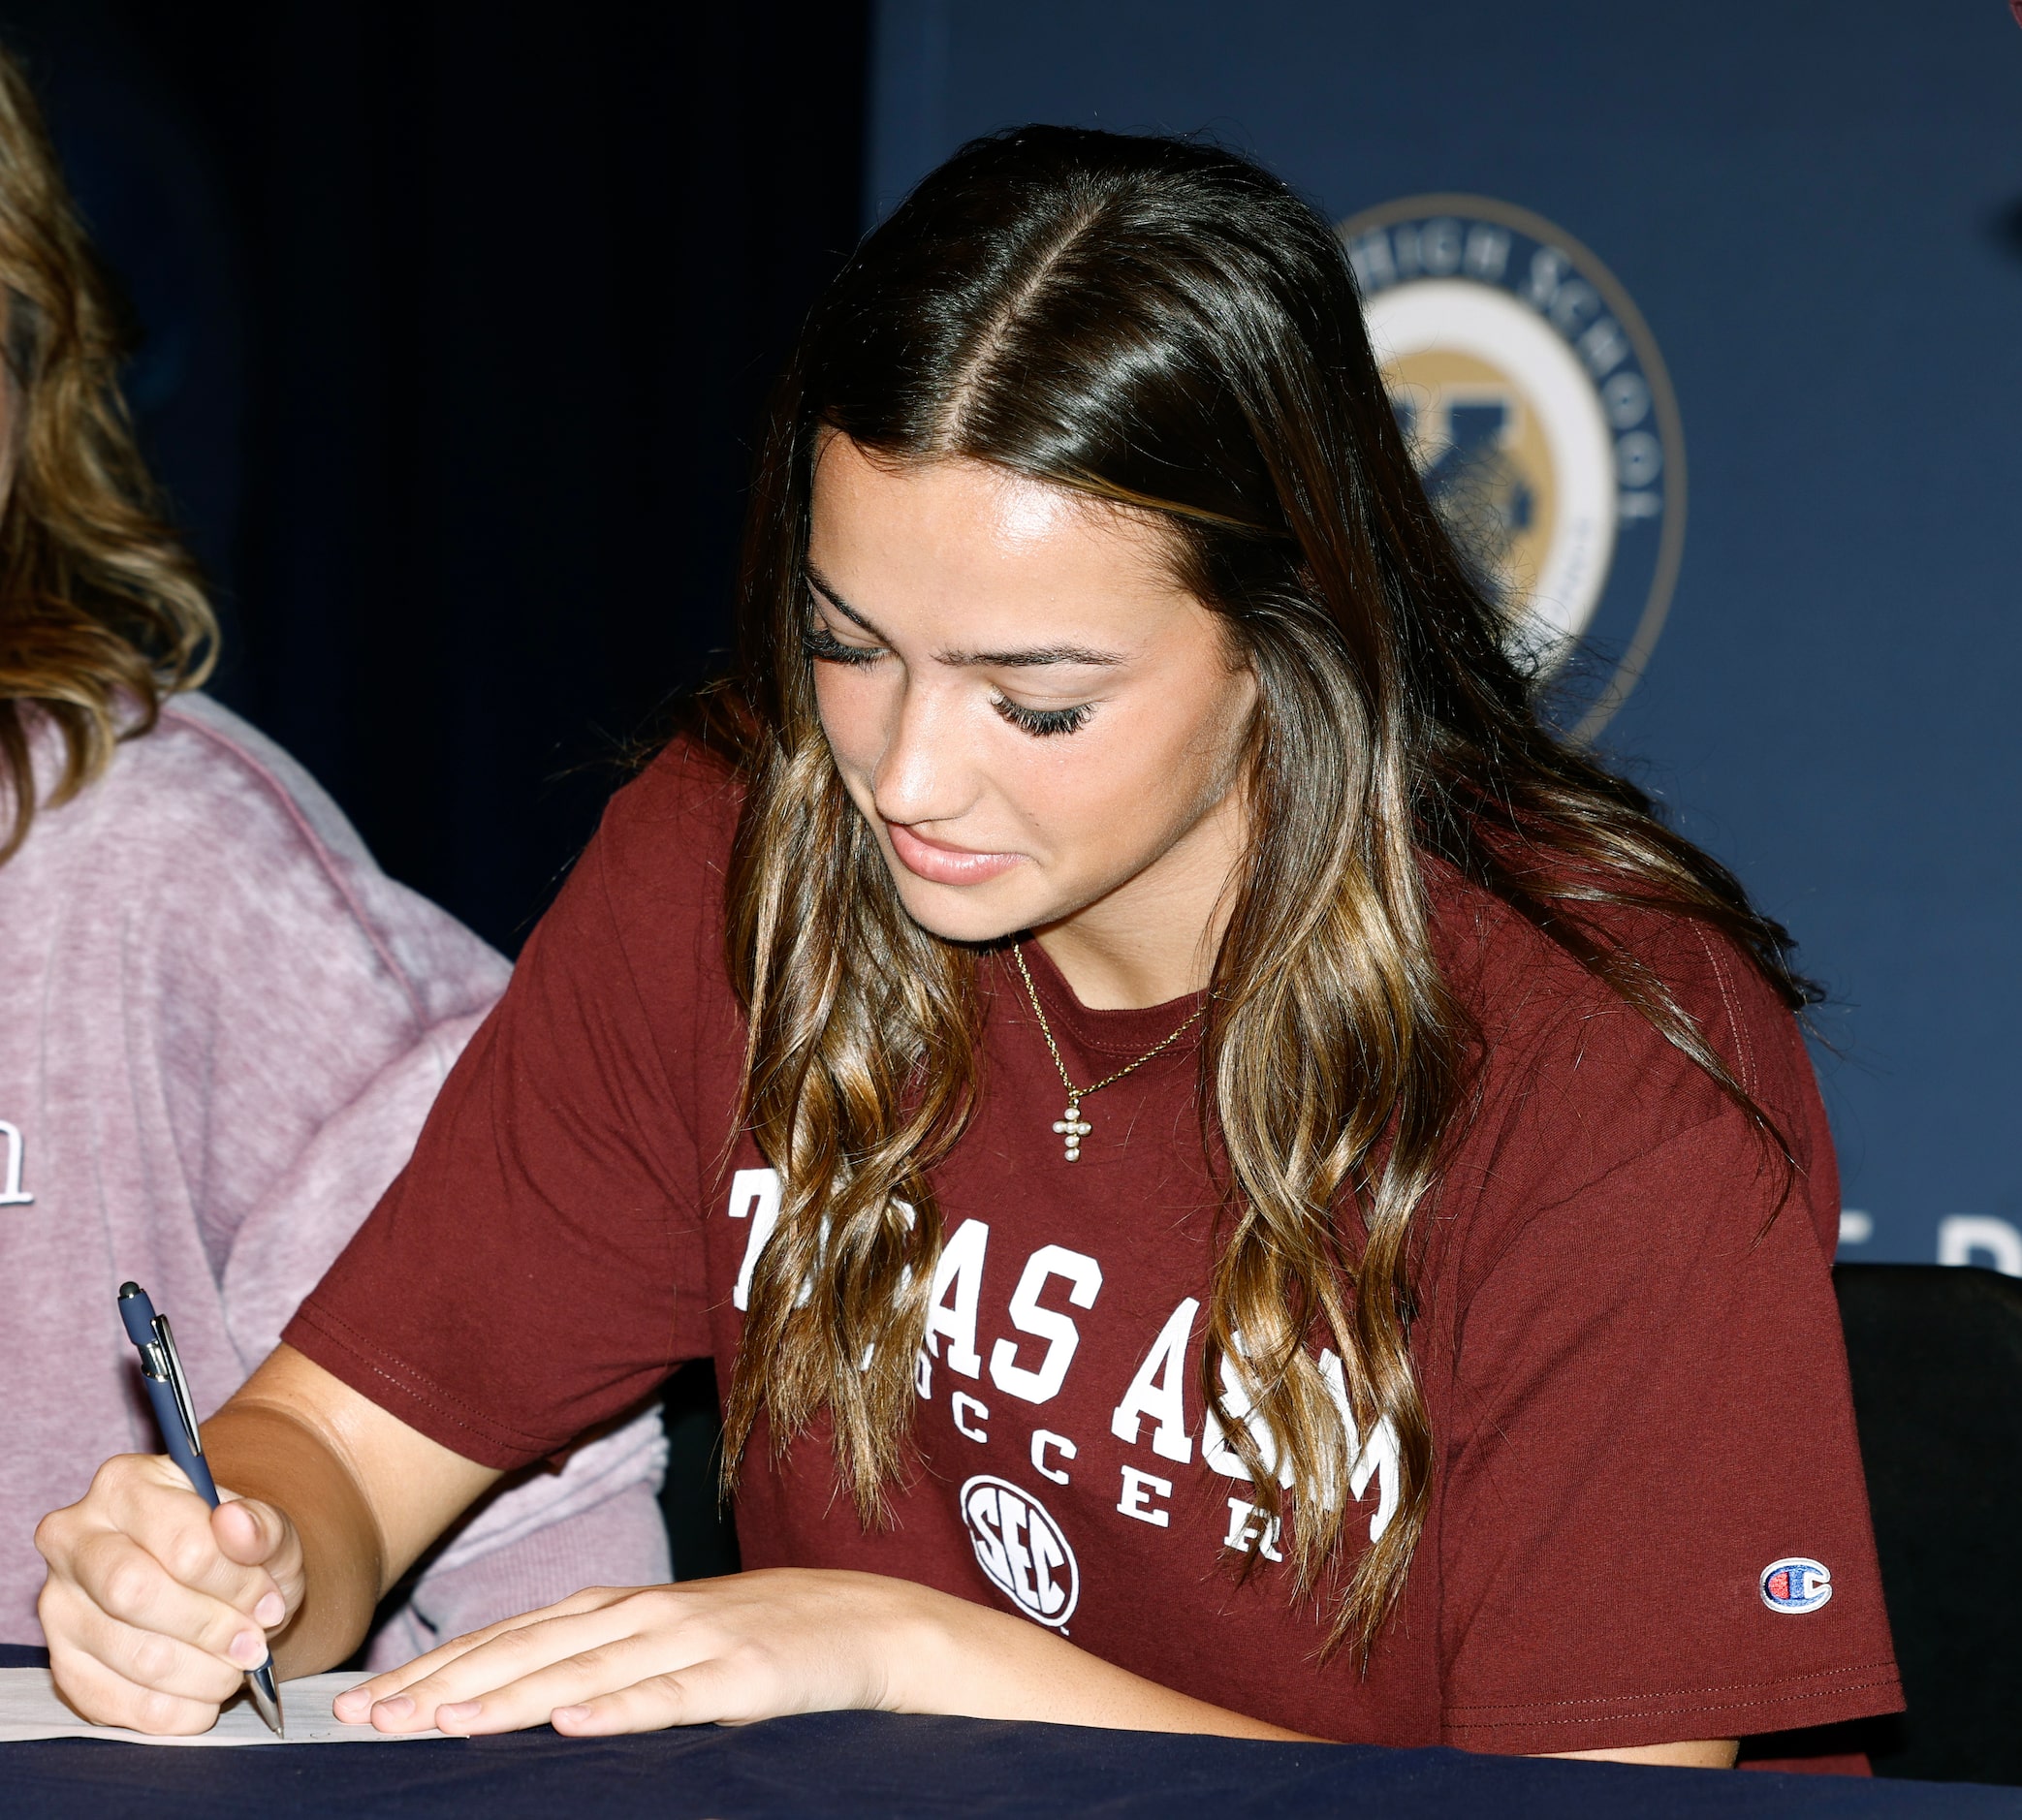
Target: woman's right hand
x,y
155,1604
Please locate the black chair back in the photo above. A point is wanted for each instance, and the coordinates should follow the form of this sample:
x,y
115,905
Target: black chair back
x,y
700,1533
1936,1354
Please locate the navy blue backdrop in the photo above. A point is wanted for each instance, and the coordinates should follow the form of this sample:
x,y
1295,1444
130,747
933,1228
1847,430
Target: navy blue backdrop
x,y
457,319
455,322
1819,211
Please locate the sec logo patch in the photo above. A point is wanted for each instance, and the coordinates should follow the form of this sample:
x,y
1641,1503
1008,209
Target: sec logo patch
x,y
1796,1584
1021,1549
1542,422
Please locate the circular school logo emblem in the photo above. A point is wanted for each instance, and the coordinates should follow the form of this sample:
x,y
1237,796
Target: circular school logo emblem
x,y
1538,410
1021,1549
1796,1584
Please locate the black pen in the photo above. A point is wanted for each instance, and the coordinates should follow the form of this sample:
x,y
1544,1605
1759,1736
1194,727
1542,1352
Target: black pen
x,y
169,1390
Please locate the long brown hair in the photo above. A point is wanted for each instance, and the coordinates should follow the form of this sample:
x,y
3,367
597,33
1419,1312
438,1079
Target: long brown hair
x,y
1165,326
100,610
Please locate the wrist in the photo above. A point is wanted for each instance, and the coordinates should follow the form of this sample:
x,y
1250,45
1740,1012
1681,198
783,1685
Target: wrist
x,y
922,1655
266,1453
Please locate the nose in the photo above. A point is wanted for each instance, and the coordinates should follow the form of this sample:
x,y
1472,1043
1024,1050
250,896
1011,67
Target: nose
x,y
923,774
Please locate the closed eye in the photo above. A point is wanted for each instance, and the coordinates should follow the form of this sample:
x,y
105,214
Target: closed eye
x,y
824,646
819,640
1043,722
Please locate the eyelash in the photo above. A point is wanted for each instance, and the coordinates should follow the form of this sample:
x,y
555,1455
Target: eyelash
x,y
1040,723
1043,723
824,646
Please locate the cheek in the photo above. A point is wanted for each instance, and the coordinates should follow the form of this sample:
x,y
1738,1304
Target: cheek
x,y
849,704
1145,776
1186,739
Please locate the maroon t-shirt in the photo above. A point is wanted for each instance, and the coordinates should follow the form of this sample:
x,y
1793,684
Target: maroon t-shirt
x,y
1647,1520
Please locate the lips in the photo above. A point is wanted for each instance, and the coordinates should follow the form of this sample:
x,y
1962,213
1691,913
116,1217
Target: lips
x,y
943,865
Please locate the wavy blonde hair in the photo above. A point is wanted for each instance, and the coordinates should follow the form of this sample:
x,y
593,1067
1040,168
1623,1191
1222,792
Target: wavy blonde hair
x,y
1163,326
102,612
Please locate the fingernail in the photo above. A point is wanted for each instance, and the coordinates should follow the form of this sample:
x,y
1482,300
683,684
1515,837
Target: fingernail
x,y
353,1701
395,1707
458,1713
270,1610
568,1715
248,1649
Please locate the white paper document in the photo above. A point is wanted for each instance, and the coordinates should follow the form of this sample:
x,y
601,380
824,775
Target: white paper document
x,y
29,1708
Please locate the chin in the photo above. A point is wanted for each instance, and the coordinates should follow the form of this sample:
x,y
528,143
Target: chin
x,y
971,914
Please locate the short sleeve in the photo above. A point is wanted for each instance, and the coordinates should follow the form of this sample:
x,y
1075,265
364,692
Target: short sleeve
x,y
1651,1410
534,1271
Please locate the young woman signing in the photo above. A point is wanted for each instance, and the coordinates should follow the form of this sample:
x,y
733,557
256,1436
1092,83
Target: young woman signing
x,y
1234,1181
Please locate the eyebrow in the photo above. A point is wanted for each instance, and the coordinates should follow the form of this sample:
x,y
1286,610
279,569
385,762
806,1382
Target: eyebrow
x,y
1025,657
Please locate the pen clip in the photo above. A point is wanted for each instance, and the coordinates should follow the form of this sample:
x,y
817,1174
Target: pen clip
x,y
164,1348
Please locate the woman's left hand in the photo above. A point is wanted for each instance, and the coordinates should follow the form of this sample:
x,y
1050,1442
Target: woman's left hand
x,y
635,1659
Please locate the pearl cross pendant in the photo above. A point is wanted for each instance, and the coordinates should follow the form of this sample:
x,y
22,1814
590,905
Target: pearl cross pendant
x,y
1074,1128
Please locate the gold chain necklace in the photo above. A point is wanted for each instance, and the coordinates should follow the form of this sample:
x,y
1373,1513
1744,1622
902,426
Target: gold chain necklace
x,y
1072,1126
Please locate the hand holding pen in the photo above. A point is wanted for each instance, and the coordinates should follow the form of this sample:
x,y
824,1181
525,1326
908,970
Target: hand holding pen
x,y
175,1415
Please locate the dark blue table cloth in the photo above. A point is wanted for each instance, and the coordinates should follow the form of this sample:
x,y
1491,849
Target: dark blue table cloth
x,y
873,1764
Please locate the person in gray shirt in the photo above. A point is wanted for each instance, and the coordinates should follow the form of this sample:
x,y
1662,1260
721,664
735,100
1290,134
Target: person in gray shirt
x,y
221,1025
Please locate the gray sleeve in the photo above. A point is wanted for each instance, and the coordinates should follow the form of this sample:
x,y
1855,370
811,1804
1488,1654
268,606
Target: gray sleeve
x,y
292,1234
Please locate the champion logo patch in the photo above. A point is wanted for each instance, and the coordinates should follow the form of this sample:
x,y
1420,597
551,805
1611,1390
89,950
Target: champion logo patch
x,y
1796,1584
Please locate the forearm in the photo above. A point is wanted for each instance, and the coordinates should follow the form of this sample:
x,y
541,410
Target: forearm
x,y
963,1658
262,1450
